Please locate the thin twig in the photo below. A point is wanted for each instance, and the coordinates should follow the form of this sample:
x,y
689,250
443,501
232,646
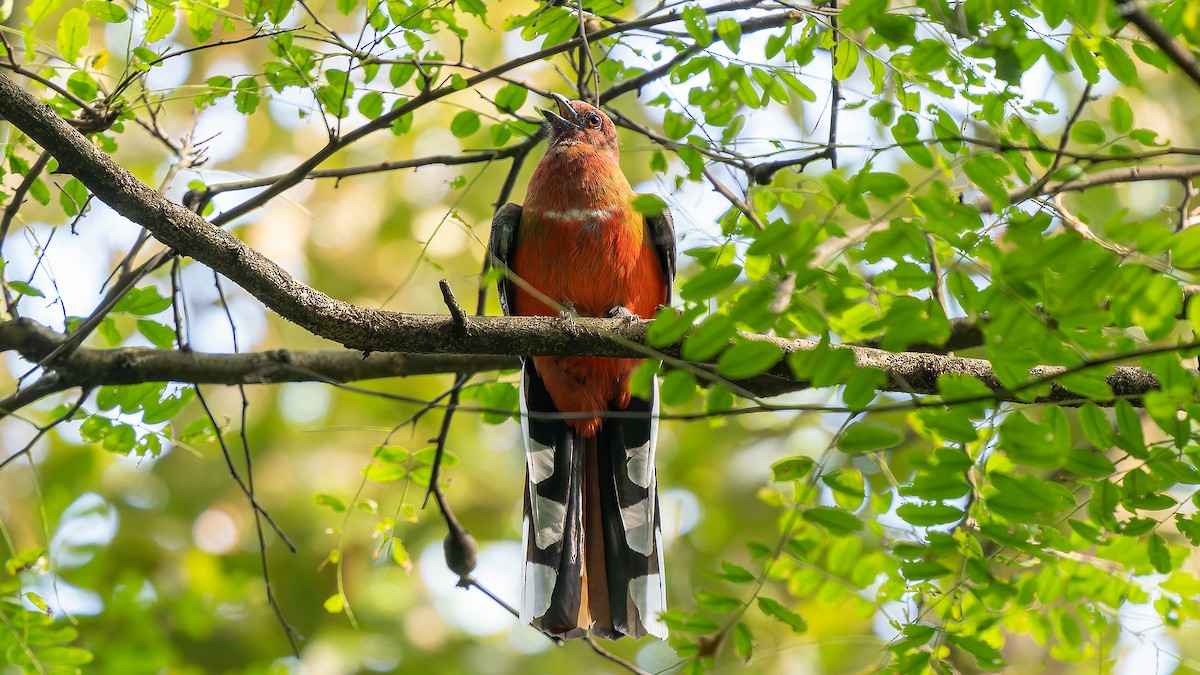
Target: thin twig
x,y
258,508
18,197
443,434
835,88
737,202
41,430
585,50
288,630
591,640
47,384
456,311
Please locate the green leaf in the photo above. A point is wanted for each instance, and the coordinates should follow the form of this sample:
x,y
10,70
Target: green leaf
x,y
987,656
142,302
82,85
928,56
688,622
669,327
1120,65
743,641
989,174
332,502
65,656
734,573
746,358
25,289
648,204
73,196
845,57
862,387
72,34
676,126
1159,554
1121,115
776,610
716,602
939,483
1024,498
1089,464
730,32
799,88
836,520
793,468
476,7
884,185
695,21
40,9
159,335
36,600
391,453
160,407
160,23
848,486
926,515
868,437
1129,429
108,12
428,454
709,338
371,105
709,282
384,472
1085,59
905,131
511,97
1188,527
923,570
678,387
276,10
1088,132
1185,249
465,123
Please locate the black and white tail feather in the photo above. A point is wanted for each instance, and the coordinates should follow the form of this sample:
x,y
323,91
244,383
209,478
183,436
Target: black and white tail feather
x,y
616,588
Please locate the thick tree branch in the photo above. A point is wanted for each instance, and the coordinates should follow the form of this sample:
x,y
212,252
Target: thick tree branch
x,y
130,365
492,343
1159,36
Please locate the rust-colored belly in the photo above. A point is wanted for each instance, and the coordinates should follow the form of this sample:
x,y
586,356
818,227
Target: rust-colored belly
x,y
591,263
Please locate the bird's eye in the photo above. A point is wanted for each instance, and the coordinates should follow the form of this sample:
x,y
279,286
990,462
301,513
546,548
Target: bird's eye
x,y
592,120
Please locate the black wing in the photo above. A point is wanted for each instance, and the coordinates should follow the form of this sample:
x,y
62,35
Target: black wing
x,y
662,233
502,239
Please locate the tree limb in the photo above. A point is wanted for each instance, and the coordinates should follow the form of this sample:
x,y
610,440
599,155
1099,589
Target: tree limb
x,y
493,343
130,365
1159,36
1125,174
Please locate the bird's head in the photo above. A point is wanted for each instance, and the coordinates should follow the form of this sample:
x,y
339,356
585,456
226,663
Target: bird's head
x,y
580,123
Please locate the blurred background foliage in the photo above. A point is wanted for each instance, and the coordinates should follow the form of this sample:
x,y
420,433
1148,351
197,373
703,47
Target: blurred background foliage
x,y
942,539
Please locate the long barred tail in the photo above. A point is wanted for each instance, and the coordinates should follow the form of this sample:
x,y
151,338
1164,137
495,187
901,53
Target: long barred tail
x,y
592,539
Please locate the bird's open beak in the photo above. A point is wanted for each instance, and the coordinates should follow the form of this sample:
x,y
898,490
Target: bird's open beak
x,y
566,118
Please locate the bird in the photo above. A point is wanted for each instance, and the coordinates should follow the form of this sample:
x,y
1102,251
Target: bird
x,y
591,529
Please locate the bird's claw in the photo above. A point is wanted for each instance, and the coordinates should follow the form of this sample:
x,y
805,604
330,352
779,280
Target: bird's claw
x,y
622,312
568,311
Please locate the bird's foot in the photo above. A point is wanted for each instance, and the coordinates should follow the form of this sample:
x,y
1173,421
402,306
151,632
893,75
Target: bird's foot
x,y
567,311
622,312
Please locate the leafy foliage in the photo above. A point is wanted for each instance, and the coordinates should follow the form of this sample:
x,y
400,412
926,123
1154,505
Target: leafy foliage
x,y
1007,181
